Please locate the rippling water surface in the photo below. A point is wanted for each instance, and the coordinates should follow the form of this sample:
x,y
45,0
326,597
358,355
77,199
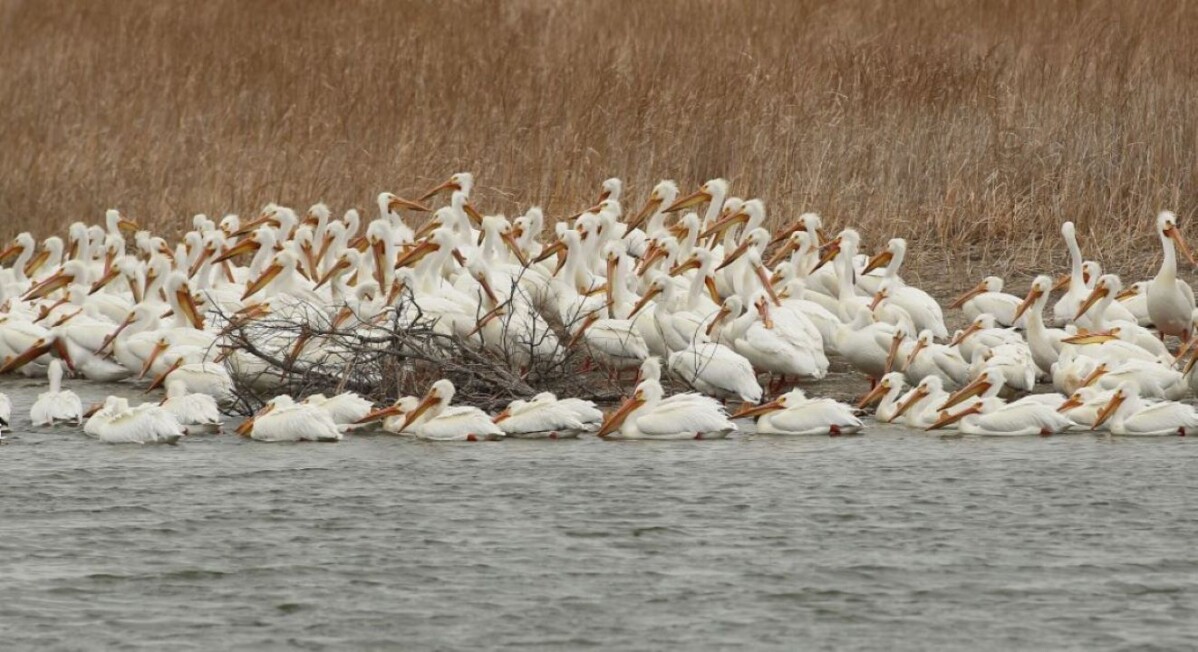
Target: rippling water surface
x,y
893,539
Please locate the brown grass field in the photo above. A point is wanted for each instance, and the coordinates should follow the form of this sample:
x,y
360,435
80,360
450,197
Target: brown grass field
x,y
972,128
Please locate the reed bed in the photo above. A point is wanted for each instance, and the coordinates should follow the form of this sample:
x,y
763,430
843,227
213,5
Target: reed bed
x,y
971,128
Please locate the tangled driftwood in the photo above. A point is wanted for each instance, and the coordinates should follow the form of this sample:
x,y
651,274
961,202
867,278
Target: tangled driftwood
x,y
302,350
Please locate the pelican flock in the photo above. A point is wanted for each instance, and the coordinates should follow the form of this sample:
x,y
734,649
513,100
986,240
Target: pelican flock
x,y
691,290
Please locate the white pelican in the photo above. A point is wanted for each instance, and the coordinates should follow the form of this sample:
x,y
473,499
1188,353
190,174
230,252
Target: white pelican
x,y
5,413
1135,299
710,367
988,297
993,417
794,414
434,418
541,417
1170,299
778,348
57,405
918,407
117,423
1110,314
869,346
1066,307
345,408
282,419
1153,379
1132,416
981,335
887,391
1100,306
1084,404
648,415
924,310
195,412
1045,343
988,385
1012,361
927,358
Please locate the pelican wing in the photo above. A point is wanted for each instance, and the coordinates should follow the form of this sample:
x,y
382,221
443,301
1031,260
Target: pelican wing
x,y
697,414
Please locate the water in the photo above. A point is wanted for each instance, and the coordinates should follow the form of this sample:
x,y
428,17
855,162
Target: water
x,y
892,540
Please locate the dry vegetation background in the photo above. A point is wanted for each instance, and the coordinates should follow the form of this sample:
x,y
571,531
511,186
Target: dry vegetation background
x,y
952,123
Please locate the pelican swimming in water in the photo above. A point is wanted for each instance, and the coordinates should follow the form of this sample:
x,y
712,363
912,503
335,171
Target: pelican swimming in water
x,y
994,417
118,423
432,417
195,412
541,417
918,407
345,408
5,413
886,394
794,414
282,419
1129,415
57,405
648,414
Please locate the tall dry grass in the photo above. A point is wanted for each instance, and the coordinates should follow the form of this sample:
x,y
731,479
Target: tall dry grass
x,y
973,129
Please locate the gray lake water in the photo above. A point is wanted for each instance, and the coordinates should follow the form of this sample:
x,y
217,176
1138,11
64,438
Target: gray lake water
x,y
895,539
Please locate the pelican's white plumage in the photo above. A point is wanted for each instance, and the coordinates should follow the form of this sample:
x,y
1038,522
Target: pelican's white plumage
x,y
993,417
345,408
541,417
647,414
192,411
118,423
1129,415
1170,299
794,414
282,419
988,298
57,405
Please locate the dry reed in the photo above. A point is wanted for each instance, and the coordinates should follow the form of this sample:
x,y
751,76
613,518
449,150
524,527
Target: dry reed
x,y
969,127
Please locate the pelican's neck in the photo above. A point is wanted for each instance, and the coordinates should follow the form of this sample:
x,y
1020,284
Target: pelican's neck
x,y
695,291
801,261
177,313
490,250
1169,264
1076,278
738,326
844,276
656,224
264,254
896,261
1098,319
892,396
55,376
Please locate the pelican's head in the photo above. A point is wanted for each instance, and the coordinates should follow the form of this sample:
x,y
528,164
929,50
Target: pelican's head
x,y
612,189
1124,391
709,191
892,381
650,370
659,283
896,247
391,204
317,214
1166,221
458,182
116,223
